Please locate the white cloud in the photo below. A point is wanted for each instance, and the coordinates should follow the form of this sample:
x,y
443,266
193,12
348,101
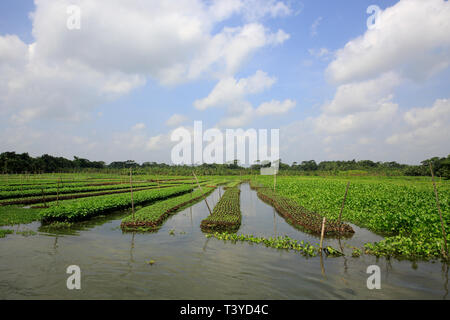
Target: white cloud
x,y
176,120
229,90
66,73
275,107
138,126
425,127
411,37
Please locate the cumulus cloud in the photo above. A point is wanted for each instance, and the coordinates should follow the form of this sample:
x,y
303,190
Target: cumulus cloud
x,y
228,90
65,73
231,94
176,120
424,127
410,37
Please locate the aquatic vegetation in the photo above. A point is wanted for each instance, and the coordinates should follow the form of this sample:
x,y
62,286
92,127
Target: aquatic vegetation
x,y
401,209
81,209
4,232
300,216
226,215
285,242
11,215
151,217
356,253
332,252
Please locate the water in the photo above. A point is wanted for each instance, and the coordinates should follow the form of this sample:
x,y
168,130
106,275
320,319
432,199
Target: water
x,y
190,266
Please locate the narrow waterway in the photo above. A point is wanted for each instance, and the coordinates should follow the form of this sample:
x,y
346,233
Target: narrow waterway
x,y
187,265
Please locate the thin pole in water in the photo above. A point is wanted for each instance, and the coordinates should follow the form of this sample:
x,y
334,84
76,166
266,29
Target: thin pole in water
x,y
342,207
131,189
322,234
440,213
201,191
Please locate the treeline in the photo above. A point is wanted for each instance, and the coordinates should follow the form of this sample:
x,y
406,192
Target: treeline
x,y
11,162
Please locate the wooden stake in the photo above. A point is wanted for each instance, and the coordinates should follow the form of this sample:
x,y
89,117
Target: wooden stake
x,y
342,207
274,181
322,233
202,191
131,189
440,213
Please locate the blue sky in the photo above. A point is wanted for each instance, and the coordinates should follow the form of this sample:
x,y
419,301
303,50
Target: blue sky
x,y
106,91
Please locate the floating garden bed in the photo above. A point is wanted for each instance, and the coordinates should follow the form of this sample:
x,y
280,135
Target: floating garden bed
x,y
151,217
299,216
226,215
81,209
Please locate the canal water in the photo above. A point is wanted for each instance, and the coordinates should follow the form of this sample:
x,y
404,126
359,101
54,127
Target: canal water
x,y
187,265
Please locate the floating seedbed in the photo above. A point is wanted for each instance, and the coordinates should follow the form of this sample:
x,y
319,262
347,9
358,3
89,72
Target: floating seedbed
x,y
226,215
34,200
150,218
65,190
82,209
233,184
299,216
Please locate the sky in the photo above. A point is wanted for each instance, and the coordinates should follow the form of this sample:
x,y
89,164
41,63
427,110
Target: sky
x,y
337,86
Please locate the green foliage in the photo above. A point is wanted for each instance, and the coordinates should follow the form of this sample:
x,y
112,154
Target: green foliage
x,y
80,209
402,209
226,214
4,232
152,216
11,215
279,242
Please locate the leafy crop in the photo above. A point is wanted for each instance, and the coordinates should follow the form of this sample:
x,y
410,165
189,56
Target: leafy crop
x,y
152,216
80,209
226,214
300,216
401,209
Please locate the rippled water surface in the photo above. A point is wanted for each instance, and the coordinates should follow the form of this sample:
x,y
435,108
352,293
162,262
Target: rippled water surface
x,y
190,266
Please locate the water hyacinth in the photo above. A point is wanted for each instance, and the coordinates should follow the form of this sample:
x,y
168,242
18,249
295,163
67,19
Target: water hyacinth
x,y
280,242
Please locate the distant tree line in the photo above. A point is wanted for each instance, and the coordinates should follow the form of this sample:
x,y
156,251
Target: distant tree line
x,y
11,162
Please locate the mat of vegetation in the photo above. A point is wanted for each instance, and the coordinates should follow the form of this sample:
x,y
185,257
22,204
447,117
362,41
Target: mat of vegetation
x,y
285,242
65,189
301,217
402,209
151,217
47,199
81,209
12,215
226,215
233,184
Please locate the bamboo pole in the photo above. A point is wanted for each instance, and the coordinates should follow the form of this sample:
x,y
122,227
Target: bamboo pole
x,y
202,192
342,208
440,213
131,190
322,234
